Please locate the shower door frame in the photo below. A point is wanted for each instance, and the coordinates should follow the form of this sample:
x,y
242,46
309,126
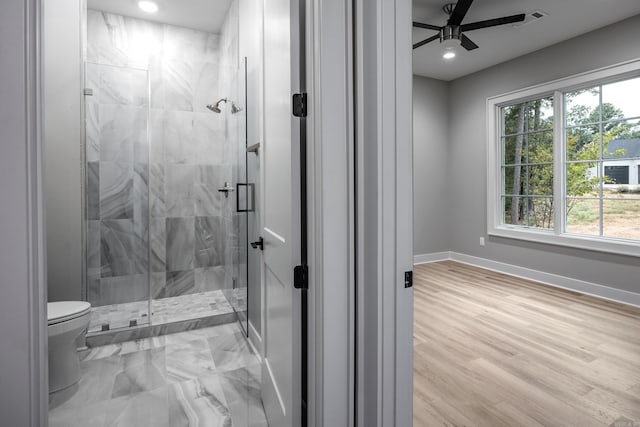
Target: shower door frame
x,y
242,141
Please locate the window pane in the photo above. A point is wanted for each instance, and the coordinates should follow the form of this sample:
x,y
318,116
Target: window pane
x,y
622,192
582,179
540,147
583,143
527,155
540,114
514,210
513,150
583,216
623,141
511,185
615,174
621,218
582,106
540,212
621,98
620,130
529,211
514,119
540,180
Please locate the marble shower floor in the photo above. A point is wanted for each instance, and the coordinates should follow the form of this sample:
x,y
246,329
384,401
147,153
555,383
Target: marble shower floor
x,y
203,377
164,310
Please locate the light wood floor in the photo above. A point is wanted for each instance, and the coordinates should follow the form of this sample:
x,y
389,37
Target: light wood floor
x,y
493,350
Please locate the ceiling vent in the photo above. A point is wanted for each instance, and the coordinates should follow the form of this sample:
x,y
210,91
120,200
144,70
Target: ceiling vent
x,y
531,17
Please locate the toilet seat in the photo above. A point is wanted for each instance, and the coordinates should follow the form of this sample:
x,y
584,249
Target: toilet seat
x,y
62,311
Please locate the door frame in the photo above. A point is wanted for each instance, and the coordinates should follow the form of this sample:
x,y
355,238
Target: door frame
x,y
385,212
23,360
331,207
360,143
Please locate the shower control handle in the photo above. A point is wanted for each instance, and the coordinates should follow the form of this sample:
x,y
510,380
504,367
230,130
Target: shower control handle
x,y
226,188
258,244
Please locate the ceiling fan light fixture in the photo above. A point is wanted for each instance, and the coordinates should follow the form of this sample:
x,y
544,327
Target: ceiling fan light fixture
x,y
449,54
450,48
148,6
451,44
453,31
450,32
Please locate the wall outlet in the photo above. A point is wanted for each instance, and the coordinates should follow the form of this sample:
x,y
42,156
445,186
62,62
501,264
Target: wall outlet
x,y
482,241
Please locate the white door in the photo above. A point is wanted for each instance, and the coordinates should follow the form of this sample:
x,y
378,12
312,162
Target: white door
x,y
281,364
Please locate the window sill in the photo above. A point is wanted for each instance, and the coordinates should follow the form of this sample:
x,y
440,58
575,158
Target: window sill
x,y
606,245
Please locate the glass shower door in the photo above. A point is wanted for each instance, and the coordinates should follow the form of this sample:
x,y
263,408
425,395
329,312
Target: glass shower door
x,y
245,196
117,195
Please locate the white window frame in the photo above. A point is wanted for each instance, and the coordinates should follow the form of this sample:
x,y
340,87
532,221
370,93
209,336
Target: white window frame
x,y
555,236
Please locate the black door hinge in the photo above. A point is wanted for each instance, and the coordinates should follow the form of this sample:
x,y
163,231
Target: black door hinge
x,y
301,277
300,104
408,279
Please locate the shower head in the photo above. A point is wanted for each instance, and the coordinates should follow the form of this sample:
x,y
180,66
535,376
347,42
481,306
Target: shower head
x,y
216,108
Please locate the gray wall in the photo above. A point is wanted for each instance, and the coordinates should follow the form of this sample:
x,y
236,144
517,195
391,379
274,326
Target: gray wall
x,y
62,148
23,333
431,191
466,215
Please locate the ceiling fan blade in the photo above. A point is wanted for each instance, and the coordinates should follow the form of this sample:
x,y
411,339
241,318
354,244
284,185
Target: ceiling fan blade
x,y
426,26
492,22
425,41
467,43
462,6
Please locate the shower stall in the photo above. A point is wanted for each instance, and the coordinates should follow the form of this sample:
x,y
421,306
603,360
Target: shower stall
x,y
166,192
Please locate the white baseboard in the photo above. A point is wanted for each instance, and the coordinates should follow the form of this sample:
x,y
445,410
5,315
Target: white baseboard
x,y
432,257
563,282
255,340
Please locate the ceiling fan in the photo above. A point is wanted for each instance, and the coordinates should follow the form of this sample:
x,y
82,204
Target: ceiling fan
x,y
454,29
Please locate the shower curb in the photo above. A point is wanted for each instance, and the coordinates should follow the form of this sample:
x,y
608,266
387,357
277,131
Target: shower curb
x,y
146,331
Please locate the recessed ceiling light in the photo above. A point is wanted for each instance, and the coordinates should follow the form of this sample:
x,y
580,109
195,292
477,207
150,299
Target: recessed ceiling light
x,y
148,6
449,55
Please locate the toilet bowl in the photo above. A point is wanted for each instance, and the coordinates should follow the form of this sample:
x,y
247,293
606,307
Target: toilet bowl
x,y
67,320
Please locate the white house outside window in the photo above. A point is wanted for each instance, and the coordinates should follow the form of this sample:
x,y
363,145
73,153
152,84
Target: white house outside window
x,y
564,161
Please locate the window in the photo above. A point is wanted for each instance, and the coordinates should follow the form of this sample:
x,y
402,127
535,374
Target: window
x,y
527,169
562,158
616,174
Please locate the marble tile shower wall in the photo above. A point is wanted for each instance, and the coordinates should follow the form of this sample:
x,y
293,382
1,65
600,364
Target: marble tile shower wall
x,y
155,158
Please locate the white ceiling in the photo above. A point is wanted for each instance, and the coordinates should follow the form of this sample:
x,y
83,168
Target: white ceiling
x,y
204,15
566,19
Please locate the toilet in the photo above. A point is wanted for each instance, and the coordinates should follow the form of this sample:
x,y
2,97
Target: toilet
x,y
67,320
